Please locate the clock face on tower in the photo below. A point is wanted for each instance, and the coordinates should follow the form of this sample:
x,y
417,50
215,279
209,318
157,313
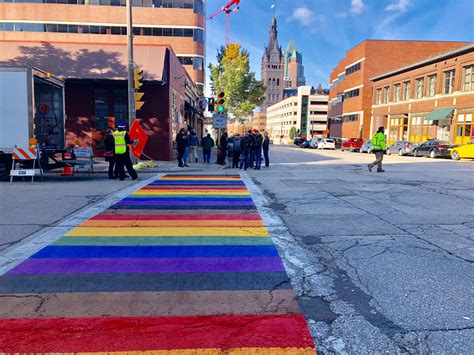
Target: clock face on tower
x,y
274,58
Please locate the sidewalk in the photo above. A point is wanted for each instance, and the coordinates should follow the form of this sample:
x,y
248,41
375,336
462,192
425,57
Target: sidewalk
x,y
183,264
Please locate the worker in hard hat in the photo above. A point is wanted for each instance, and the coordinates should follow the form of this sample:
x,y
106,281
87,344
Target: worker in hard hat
x,y
122,152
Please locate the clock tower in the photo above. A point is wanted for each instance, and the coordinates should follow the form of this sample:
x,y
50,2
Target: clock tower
x,y
272,68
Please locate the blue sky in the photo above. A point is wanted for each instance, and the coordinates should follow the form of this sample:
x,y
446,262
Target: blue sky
x,y
325,29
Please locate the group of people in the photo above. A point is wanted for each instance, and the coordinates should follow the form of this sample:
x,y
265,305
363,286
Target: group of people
x,y
187,143
245,151
242,151
117,153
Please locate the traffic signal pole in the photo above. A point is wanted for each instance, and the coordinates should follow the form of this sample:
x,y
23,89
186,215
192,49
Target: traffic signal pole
x,y
131,84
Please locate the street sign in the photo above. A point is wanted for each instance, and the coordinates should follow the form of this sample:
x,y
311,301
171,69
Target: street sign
x,y
137,133
219,121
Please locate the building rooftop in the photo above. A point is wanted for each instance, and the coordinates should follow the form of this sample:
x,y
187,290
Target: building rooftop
x,y
426,61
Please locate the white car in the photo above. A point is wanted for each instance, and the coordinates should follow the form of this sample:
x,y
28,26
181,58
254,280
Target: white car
x,y
327,143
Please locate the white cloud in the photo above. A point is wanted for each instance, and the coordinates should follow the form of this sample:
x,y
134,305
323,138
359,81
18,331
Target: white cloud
x,y
401,6
302,15
357,6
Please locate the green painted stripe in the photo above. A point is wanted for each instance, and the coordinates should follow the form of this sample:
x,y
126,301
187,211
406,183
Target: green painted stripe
x,y
135,241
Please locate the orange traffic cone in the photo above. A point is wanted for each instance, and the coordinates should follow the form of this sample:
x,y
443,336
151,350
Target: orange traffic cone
x,y
67,171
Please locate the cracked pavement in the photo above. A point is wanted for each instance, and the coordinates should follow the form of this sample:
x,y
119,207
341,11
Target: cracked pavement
x,y
381,263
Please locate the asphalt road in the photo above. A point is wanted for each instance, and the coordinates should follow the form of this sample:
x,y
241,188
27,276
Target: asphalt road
x,y
382,262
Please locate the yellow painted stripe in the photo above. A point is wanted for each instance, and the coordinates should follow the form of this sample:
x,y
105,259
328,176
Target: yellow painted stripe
x,y
238,351
183,192
170,223
168,232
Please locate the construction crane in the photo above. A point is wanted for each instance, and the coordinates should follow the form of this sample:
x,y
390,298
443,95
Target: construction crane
x,y
227,9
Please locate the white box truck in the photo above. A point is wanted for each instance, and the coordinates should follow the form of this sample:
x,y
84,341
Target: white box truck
x,y
31,106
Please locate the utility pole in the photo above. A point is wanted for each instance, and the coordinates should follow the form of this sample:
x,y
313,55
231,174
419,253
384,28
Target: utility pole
x,y
131,65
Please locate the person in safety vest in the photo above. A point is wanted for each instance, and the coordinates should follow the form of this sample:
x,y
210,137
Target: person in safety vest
x,y
122,153
379,146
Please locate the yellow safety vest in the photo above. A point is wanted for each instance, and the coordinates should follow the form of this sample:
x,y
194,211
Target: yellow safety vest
x,y
378,141
119,139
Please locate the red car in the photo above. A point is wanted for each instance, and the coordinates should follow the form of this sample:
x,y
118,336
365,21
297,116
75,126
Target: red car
x,y
352,144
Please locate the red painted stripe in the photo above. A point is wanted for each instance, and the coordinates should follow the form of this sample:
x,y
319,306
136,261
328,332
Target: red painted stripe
x,y
153,333
183,217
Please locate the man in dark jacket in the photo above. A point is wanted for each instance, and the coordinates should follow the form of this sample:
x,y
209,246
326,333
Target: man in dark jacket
x,y
257,149
236,148
181,143
222,150
246,146
266,148
207,144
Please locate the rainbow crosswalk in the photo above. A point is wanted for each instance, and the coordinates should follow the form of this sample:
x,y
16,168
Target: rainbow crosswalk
x,y
185,265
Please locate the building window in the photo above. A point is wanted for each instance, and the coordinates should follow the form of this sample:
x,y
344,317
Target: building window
x,y
350,118
421,129
449,82
378,96
406,91
386,94
351,93
419,88
353,68
396,92
432,85
464,128
468,78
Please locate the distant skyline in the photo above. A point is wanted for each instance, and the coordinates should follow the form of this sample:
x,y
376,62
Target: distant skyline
x,y
324,30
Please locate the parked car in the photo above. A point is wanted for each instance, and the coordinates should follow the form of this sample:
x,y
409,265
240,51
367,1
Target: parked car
x,y
366,147
402,148
433,148
305,144
298,141
465,151
352,144
313,143
327,143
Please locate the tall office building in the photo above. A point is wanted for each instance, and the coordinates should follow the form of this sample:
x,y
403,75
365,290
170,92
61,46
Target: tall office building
x,y
85,43
293,75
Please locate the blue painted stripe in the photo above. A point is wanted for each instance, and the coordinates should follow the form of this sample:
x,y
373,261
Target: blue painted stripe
x,y
199,251
134,199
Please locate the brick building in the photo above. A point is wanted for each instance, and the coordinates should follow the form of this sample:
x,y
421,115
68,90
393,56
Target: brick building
x,y
306,111
431,98
351,91
84,42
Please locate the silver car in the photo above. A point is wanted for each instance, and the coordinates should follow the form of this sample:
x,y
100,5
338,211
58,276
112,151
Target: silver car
x,y
366,147
402,148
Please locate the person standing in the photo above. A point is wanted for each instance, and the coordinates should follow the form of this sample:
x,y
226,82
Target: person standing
x,y
246,146
193,146
379,146
207,144
236,149
186,149
222,149
266,148
181,146
122,152
257,148
109,153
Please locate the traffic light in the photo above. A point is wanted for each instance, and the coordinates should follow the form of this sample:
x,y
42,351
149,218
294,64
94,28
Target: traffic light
x,y
138,103
138,79
210,104
220,102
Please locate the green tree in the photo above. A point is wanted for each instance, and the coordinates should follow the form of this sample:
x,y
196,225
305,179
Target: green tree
x,y
292,132
232,75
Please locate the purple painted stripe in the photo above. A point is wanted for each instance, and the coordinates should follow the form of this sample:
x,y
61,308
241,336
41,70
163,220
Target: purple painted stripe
x,y
148,265
185,203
